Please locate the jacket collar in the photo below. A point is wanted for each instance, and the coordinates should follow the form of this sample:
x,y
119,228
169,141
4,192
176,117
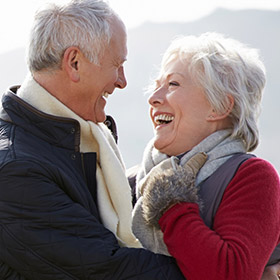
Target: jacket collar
x,y
60,131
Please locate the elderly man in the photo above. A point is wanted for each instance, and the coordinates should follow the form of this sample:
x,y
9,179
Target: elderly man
x,y
65,203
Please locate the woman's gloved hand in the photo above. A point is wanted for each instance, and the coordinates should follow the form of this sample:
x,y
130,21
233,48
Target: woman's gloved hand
x,y
167,184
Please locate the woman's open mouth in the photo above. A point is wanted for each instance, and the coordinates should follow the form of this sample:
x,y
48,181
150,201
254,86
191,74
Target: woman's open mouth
x,y
163,119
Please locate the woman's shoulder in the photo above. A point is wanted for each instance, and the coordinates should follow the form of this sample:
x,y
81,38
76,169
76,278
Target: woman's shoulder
x,y
257,172
255,186
256,164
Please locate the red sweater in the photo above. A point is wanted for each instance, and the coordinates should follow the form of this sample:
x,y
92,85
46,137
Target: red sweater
x,y
245,230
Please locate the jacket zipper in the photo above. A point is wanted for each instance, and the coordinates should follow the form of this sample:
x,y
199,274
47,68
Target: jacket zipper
x,y
83,167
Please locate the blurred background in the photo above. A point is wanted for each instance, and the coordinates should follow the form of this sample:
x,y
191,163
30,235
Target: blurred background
x,y
151,25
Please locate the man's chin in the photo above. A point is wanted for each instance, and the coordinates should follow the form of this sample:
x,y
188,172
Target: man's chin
x,y
100,116
101,119
97,118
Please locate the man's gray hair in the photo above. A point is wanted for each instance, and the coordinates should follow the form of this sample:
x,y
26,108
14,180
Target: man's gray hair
x,y
81,23
223,67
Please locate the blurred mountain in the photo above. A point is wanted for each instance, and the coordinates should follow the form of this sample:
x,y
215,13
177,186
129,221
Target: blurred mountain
x,y
257,28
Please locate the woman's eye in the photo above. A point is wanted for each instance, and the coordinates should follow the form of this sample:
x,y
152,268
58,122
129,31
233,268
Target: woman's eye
x,y
173,84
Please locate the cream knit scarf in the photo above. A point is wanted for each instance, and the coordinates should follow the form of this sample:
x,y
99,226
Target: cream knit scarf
x,y
113,191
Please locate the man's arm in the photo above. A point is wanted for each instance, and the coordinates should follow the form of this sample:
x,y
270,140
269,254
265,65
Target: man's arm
x,y
45,234
8,273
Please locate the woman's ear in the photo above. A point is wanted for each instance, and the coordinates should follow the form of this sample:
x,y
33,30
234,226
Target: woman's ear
x,y
71,63
215,116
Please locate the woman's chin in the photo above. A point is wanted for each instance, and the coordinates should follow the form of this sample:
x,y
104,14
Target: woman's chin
x,y
161,144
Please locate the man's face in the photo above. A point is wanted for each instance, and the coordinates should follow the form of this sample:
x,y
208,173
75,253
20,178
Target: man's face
x,y
100,80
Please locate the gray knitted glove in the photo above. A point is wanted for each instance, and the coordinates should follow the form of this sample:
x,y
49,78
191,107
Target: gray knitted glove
x,y
168,184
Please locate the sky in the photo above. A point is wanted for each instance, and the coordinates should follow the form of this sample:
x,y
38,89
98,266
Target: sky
x,y
16,15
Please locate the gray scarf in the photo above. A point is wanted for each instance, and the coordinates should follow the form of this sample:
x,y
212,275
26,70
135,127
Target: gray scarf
x,y
219,147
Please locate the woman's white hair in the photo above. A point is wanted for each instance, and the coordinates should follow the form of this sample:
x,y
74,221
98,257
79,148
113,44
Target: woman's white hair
x,y
223,67
81,23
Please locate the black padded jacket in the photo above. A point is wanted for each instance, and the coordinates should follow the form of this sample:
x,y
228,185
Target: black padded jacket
x,y
49,222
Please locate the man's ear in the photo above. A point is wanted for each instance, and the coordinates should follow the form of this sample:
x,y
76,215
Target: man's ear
x,y
71,63
215,116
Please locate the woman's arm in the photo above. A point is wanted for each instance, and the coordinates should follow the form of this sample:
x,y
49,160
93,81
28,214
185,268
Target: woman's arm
x,y
246,228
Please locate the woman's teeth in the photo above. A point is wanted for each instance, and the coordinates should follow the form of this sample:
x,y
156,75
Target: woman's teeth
x,y
160,119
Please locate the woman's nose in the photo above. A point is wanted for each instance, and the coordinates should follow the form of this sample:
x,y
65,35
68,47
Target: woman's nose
x,y
157,97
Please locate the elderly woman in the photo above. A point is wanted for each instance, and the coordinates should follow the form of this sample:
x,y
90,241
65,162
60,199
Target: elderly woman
x,y
216,207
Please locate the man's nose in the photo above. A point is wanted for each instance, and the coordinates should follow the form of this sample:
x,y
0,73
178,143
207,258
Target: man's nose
x,y
121,81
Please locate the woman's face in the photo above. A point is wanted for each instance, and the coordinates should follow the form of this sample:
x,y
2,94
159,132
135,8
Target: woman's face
x,y
179,110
